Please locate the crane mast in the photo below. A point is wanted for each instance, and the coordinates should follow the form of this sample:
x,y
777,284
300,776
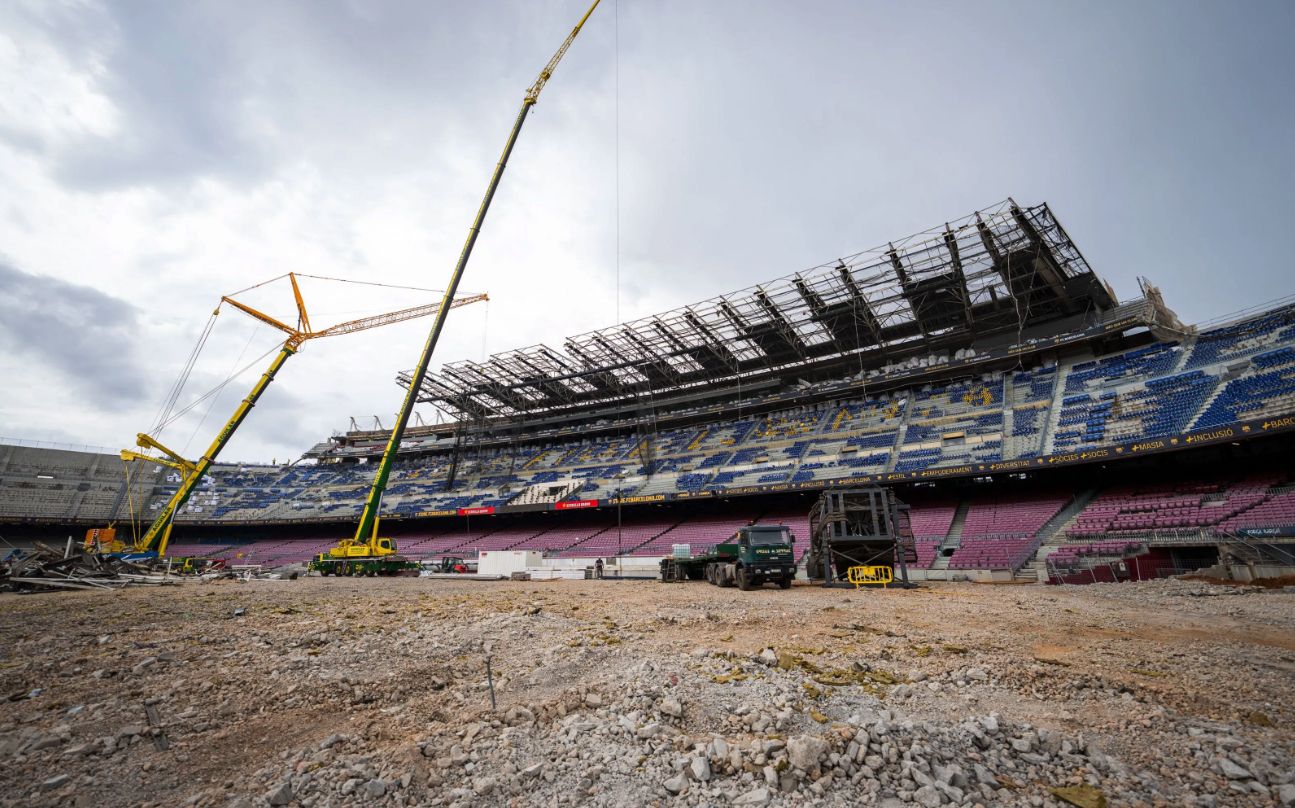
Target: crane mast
x,y
367,530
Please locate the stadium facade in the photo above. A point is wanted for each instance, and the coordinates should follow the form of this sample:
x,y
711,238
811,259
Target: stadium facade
x,y
983,367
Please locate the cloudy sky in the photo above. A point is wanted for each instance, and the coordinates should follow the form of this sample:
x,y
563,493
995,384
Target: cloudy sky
x,y
156,155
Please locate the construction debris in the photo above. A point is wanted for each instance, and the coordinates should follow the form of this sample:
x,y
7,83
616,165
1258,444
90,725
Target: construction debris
x,y
44,568
334,692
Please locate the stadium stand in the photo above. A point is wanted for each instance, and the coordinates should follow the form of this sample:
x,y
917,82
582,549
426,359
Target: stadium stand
x,y
1003,534
1108,401
933,369
1171,506
1235,372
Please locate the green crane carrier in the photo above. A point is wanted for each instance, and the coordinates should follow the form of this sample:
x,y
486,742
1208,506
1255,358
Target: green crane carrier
x,y
753,556
362,558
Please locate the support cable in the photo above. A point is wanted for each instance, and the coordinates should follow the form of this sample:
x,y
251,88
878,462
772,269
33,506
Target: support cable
x,y
173,395
336,280
215,390
212,402
133,518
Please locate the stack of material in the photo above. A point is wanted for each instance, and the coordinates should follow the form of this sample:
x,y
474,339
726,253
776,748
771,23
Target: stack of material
x,y
45,568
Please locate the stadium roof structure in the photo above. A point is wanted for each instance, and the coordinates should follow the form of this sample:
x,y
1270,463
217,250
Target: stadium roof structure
x,y
998,271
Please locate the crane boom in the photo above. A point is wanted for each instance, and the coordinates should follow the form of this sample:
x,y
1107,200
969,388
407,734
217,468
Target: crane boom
x,y
412,313
157,536
533,93
367,530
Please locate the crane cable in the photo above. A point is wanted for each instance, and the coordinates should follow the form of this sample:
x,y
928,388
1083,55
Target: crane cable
x,y
167,415
133,519
337,280
184,449
215,390
163,416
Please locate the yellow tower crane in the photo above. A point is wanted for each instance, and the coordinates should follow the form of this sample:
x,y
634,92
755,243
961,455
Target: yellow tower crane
x,y
155,539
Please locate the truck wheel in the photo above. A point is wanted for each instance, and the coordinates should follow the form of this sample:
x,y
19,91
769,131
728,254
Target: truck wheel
x,y
743,581
785,583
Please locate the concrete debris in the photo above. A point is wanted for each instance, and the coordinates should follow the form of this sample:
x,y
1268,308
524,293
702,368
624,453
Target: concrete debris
x,y
352,693
44,568
282,795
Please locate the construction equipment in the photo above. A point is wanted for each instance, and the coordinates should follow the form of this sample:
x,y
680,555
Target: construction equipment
x,y
153,542
870,575
366,533
102,540
753,556
362,558
854,528
456,565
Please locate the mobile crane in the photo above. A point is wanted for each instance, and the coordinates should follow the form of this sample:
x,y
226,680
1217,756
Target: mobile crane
x,y
152,543
366,544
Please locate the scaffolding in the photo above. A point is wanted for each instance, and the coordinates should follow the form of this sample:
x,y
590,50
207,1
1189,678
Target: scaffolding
x,y
998,271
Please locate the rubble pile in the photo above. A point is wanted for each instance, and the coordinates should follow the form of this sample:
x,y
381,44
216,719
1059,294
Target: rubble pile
x,y
334,692
44,568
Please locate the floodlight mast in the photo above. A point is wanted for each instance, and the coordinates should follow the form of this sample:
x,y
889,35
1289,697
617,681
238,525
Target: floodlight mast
x,y
367,530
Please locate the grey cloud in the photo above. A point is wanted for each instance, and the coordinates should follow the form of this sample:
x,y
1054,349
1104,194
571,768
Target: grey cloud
x,y
234,91
755,139
181,97
83,334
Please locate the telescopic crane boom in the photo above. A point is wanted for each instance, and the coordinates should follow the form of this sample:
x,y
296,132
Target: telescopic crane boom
x,y
158,534
366,532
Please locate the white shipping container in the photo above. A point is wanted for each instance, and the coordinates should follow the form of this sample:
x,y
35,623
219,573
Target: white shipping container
x,y
506,562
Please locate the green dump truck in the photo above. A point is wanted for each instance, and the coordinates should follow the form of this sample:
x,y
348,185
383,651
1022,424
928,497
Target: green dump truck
x,y
755,555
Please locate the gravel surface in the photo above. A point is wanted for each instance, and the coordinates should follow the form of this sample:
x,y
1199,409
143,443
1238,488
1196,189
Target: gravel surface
x,y
321,692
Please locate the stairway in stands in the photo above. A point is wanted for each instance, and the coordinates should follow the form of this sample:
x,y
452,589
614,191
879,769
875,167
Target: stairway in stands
x,y
1054,409
952,540
1053,535
1226,376
900,433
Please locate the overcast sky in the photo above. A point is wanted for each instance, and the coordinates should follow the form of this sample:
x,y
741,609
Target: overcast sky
x,y
154,156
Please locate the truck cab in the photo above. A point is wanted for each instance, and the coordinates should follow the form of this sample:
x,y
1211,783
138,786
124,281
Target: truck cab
x,y
753,556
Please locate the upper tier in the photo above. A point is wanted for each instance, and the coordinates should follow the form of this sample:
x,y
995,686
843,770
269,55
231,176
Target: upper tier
x,y
1140,399
1004,270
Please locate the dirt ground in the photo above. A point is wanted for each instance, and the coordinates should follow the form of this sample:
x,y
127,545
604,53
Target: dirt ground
x,y
374,691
